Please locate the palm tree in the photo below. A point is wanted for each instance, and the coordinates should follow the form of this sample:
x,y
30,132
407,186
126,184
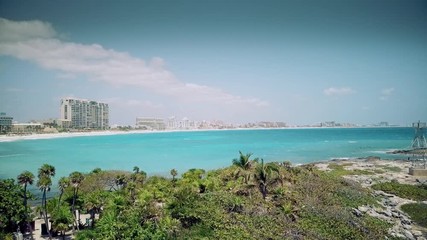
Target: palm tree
x,y
63,183
61,218
45,173
121,181
245,164
141,177
174,173
46,170
26,178
263,176
96,170
131,188
136,169
75,179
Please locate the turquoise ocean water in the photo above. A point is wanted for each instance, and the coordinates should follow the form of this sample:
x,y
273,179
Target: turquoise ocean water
x,y
157,153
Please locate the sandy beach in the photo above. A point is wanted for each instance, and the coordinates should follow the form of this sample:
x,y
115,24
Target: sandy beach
x,y
16,137
36,136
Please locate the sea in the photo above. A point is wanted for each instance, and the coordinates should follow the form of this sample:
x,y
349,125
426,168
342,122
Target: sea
x,y
158,152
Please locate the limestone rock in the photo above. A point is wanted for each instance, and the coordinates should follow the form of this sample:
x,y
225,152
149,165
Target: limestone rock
x,y
417,233
363,209
407,227
386,213
405,221
357,213
395,214
408,235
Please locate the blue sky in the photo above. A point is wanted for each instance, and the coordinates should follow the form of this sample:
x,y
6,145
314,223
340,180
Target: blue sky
x,y
300,62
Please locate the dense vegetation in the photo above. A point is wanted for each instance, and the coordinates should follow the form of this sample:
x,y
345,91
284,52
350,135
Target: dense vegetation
x,y
417,212
414,192
339,170
248,200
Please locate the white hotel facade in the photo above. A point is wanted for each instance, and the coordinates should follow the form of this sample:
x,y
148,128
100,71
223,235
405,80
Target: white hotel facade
x,y
84,114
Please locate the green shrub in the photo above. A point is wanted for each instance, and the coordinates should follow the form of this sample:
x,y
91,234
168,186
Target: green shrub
x,y
379,171
407,191
417,212
339,170
336,223
392,169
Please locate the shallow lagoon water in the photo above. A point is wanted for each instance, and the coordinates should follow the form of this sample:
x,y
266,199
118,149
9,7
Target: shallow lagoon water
x,y
157,153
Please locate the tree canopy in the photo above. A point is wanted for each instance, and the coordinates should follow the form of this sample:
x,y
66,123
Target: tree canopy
x,y
251,199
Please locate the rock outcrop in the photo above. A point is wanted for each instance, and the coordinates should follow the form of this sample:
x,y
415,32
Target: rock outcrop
x,y
389,204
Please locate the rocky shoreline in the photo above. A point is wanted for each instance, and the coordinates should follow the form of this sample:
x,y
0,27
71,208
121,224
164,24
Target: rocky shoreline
x,y
389,210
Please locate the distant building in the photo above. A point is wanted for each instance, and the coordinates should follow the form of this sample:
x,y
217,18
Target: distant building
x,y
171,123
329,124
147,123
5,123
383,124
27,127
84,114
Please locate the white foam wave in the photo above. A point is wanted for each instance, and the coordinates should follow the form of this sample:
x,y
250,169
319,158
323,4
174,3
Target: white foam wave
x,y
11,155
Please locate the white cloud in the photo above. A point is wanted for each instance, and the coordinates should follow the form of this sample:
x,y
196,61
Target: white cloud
x,y
14,90
66,76
143,104
332,91
12,31
36,41
386,93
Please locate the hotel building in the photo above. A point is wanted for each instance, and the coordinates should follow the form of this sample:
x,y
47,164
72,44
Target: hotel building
x,y
150,123
5,123
84,114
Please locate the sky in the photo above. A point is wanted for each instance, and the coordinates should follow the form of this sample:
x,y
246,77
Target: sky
x,y
240,61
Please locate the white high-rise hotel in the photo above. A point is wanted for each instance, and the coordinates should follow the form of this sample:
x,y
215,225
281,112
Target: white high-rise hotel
x,y
79,113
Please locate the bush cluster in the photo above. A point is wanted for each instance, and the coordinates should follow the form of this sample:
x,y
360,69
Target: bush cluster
x,y
248,200
414,192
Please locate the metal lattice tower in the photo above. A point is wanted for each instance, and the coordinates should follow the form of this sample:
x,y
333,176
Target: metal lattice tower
x,y
419,141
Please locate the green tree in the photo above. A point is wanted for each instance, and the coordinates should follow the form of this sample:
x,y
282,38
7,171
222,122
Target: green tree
x,y
194,178
12,211
76,179
131,189
174,173
121,181
96,170
264,176
61,219
285,173
138,177
45,174
26,178
63,183
244,163
182,206
94,202
141,177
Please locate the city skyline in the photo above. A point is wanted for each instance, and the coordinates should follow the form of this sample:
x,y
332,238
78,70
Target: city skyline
x,y
300,62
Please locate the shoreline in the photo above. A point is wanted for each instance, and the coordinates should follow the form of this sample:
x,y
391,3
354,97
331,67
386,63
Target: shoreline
x,y
38,136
